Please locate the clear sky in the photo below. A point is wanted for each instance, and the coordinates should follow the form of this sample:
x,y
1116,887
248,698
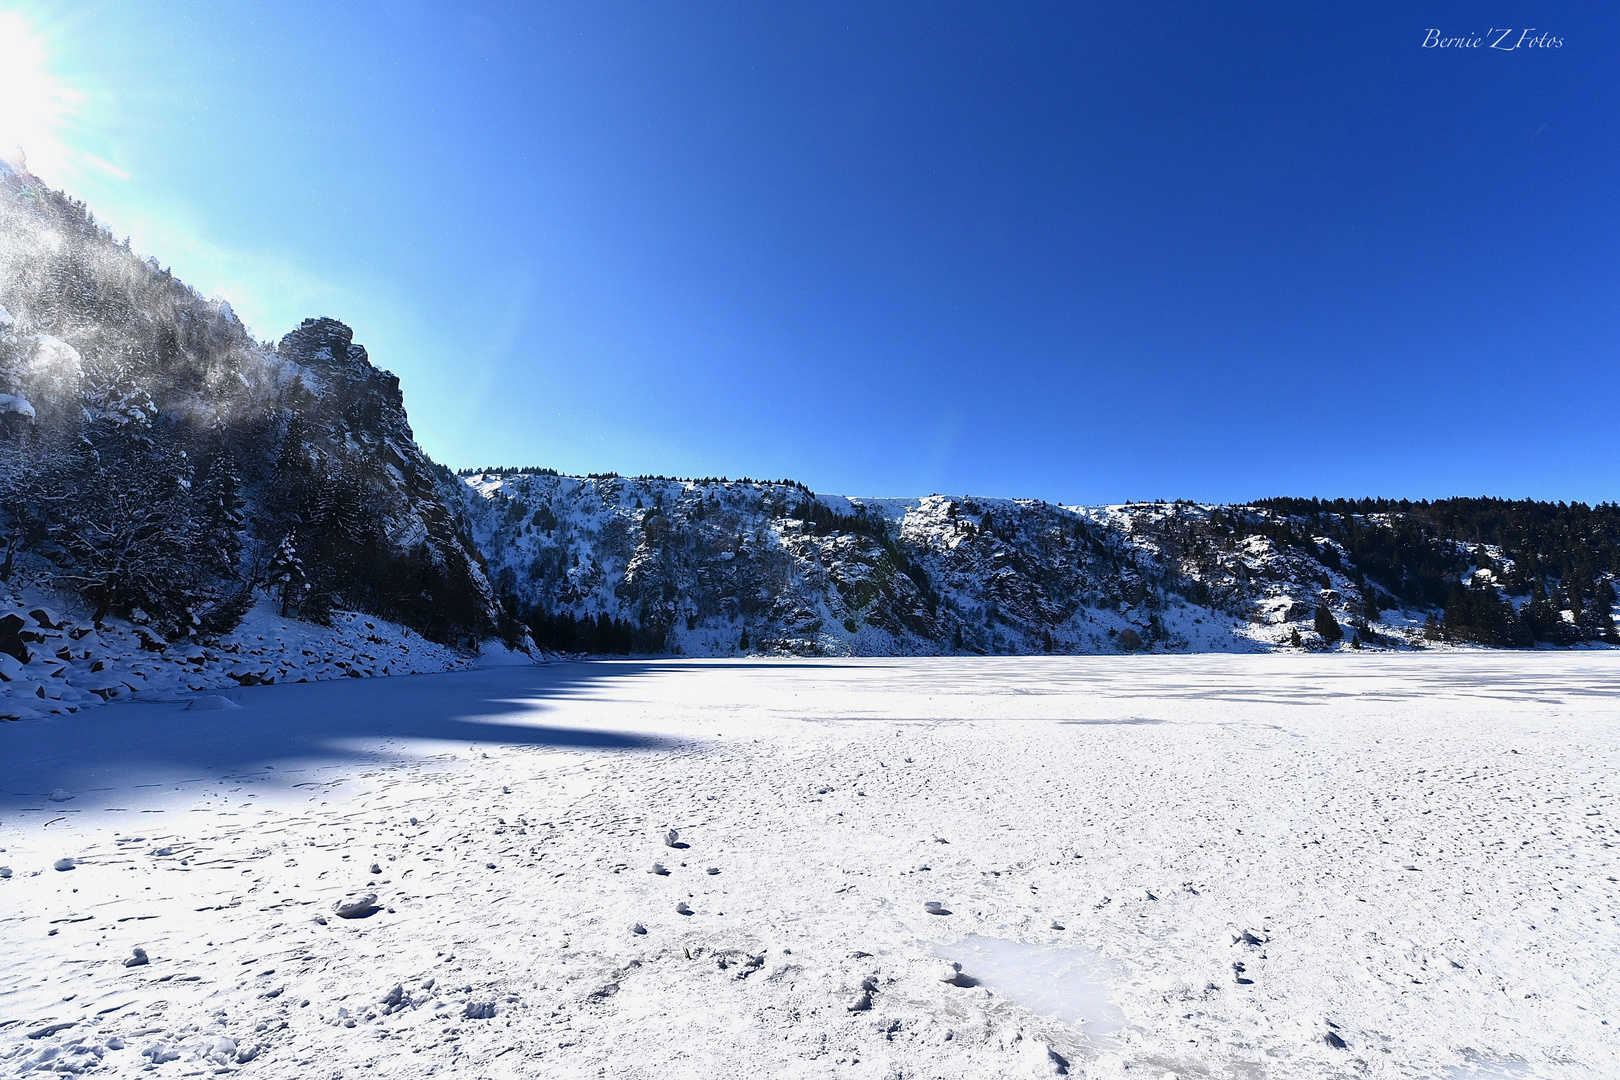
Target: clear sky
x,y
1082,253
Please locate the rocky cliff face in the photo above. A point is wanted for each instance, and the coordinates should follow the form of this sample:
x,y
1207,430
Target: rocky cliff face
x,y
721,568
725,568
160,464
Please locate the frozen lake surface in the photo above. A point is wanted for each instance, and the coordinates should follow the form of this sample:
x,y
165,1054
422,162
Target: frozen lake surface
x,y
1248,866
1069,982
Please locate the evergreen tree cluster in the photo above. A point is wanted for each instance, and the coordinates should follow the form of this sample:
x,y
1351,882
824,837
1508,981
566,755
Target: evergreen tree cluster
x,y
599,635
168,468
1553,557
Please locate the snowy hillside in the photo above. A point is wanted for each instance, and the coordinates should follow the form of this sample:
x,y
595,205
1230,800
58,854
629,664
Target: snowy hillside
x,y
716,568
161,470
159,466
53,663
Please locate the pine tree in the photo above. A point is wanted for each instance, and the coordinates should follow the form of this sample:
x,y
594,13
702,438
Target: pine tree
x,y
1327,625
291,495
122,523
219,511
1597,618
286,572
1544,620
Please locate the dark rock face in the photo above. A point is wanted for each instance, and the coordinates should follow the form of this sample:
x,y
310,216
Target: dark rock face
x,y
158,461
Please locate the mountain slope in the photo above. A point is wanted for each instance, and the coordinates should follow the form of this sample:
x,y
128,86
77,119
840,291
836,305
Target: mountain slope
x,y
650,565
159,465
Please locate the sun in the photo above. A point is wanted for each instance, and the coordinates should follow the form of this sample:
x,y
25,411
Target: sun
x,y
35,107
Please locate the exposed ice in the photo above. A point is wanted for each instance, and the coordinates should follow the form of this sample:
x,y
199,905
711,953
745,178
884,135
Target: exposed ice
x,y
1068,982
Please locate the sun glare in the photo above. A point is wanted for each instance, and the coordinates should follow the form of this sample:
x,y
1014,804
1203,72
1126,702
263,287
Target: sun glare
x,y
35,107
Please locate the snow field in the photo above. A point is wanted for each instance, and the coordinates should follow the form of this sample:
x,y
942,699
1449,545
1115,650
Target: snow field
x,y
1261,866
74,666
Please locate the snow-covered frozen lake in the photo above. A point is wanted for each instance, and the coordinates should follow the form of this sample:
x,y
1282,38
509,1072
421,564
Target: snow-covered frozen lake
x,y
1195,866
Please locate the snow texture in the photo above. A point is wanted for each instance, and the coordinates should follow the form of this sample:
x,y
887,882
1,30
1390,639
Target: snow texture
x,y
1392,865
73,666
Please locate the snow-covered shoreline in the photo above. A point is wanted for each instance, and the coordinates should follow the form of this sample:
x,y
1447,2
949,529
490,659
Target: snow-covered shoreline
x,y
73,665
1410,854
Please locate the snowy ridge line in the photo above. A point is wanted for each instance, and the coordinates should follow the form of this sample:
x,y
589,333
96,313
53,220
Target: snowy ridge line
x,y
52,665
609,564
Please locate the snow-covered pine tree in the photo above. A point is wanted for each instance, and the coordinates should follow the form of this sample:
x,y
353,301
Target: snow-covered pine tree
x,y
286,574
219,509
121,528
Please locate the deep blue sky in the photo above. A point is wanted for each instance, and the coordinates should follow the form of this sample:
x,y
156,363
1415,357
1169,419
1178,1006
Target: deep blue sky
x,y
1080,253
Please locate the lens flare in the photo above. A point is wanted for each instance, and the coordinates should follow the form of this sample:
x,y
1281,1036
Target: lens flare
x,y
35,107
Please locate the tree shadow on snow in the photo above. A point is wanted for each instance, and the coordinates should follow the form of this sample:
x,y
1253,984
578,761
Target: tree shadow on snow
x,y
125,745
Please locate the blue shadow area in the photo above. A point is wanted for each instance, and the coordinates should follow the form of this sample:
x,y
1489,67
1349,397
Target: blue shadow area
x,y
125,745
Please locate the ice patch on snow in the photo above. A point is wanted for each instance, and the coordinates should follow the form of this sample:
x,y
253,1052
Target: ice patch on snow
x,y
1067,982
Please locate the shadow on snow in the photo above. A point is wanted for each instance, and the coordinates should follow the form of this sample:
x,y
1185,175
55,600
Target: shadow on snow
x,y
125,745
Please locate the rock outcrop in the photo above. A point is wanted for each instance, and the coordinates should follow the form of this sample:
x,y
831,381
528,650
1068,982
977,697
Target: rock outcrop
x,y
163,466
